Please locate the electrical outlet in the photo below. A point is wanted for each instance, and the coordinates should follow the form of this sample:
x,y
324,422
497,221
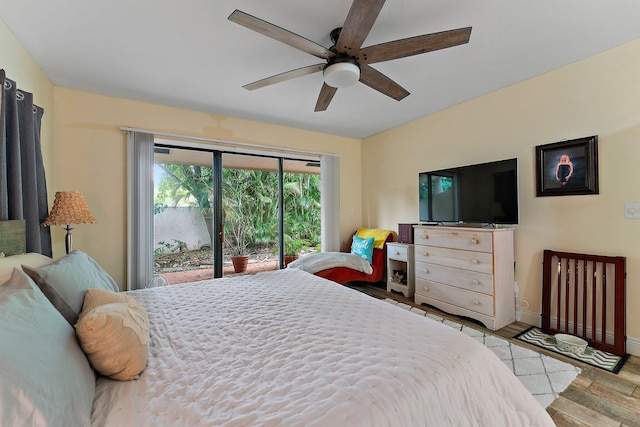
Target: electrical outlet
x,y
632,210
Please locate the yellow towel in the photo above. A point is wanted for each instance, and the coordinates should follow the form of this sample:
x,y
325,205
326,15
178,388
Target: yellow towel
x,y
379,236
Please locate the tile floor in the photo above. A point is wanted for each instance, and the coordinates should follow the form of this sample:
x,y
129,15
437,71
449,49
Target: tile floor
x,y
544,376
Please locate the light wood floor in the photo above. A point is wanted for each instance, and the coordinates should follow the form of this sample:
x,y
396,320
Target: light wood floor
x,y
594,398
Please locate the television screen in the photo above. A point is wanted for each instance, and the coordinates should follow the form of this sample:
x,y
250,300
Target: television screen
x,y
482,193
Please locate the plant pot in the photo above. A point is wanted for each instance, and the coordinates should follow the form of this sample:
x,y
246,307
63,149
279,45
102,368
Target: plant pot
x,y
240,263
289,259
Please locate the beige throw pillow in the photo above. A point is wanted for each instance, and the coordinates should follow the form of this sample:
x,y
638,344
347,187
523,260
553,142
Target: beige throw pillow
x,y
115,337
97,297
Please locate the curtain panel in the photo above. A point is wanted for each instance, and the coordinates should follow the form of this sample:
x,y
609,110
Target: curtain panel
x,y
330,200
23,187
140,210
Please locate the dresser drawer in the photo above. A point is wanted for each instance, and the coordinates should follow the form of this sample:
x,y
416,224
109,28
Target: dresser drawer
x,y
481,262
474,301
469,240
397,252
466,279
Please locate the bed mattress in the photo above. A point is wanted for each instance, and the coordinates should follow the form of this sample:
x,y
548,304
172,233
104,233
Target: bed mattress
x,y
292,349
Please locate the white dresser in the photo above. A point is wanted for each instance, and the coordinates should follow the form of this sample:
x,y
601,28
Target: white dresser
x,y
466,272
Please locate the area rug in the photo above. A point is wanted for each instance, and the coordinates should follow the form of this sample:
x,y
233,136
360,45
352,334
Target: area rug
x,y
598,358
545,377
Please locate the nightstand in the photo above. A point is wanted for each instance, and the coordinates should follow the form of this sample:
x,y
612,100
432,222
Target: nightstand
x,y
400,259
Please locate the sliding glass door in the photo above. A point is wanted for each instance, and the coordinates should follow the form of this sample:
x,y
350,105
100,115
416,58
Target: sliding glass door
x,y
250,200
218,214
183,210
301,208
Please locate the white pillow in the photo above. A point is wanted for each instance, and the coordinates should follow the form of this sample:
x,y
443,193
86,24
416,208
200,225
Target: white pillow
x,y
7,264
45,379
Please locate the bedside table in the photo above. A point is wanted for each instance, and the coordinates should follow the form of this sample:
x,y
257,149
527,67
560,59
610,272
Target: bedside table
x,y
400,258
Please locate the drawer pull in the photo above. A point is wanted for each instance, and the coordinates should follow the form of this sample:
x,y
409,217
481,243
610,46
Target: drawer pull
x,y
474,241
475,281
397,252
474,261
426,289
426,253
475,302
425,236
426,270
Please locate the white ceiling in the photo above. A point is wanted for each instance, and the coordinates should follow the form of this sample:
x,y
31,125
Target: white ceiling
x,y
187,54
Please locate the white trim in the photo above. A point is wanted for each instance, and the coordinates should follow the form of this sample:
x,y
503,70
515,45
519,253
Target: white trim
x,y
531,318
633,346
226,143
238,150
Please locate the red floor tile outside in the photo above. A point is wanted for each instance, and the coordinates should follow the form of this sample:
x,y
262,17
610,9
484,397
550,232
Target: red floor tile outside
x,y
206,274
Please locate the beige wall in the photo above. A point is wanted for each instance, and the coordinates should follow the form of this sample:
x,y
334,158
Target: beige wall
x,y
22,69
596,96
90,156
85,150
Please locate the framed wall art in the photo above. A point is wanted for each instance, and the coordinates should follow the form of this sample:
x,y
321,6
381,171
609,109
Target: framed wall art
x,y
567,167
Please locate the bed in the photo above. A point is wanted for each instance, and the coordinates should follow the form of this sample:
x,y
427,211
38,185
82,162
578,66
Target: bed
x,y
275,348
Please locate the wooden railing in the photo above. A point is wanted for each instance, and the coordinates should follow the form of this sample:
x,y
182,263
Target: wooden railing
x,y
584,295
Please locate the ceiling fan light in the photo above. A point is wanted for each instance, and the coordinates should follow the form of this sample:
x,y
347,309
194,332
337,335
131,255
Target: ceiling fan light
x,y
341,74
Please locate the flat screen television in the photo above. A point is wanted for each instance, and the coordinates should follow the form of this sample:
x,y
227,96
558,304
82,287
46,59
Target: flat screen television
x,y
485,193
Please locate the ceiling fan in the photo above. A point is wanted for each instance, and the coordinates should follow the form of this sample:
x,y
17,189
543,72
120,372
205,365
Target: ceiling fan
x,y
346,62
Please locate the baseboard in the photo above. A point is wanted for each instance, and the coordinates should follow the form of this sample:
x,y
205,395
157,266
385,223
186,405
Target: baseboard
x,y
633,346
531,318
535,319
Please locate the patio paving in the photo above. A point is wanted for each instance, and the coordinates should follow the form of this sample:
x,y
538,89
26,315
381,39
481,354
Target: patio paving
x,y
196,275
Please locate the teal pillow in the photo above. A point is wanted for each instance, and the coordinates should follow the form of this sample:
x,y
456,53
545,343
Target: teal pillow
x,y
65,282
363,247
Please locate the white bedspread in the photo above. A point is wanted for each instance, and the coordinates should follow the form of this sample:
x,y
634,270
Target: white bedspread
x,y
313,263
287,348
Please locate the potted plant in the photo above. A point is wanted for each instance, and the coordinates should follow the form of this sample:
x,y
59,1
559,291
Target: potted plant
x,y
293,247
237,242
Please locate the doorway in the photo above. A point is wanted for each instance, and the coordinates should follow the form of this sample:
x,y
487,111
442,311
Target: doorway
x,y
212,206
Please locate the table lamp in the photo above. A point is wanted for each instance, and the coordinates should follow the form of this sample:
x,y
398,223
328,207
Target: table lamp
x,y
69,207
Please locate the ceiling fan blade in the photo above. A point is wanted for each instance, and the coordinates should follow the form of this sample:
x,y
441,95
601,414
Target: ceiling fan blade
x,y
280,34
362,15
283,77
383,84
325,97
414,45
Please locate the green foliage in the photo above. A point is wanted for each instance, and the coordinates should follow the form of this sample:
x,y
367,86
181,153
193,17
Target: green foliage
x,y
250,204
293,246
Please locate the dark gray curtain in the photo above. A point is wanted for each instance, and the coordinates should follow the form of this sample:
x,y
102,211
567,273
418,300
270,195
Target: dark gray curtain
x,y
23,188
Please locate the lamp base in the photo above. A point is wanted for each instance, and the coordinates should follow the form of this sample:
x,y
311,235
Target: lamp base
x,y
68,239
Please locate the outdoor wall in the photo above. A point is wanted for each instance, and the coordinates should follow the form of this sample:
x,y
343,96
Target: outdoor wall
x,y
596,96
180,224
